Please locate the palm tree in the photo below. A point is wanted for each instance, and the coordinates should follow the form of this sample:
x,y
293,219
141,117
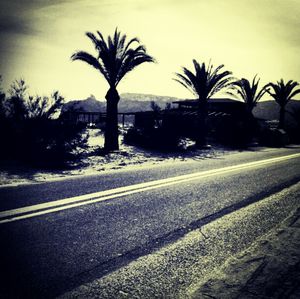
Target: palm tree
x,y
249,92
204,84
282,93
115,58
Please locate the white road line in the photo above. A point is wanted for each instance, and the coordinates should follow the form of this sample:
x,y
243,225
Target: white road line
x,y
72,202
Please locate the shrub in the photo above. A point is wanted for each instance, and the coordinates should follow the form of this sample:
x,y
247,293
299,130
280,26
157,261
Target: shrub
x,y
233,132
30,130
154,138
273,137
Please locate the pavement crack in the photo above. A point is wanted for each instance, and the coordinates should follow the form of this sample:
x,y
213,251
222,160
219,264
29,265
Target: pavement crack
x,y
202,233
254,275
209,296
255,260
296,218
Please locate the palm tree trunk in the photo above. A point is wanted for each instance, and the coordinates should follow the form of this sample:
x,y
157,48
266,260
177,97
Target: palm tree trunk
x,y
251,123
281,117
202,127
111,142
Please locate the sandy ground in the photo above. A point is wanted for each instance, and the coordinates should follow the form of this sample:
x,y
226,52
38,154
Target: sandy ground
x,y
12,173
270,268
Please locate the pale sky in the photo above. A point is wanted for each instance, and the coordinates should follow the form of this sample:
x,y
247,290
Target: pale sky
x,y
248,36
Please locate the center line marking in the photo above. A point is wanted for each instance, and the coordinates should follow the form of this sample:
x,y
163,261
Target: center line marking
x,y
72,202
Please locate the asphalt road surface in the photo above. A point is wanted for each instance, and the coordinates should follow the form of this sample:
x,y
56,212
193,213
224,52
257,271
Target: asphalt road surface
x,y
56,236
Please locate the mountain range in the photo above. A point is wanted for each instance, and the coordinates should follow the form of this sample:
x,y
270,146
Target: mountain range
x,y
269,110
129,102
135,102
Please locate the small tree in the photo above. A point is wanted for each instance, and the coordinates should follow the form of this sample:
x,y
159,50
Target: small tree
x,y
45,107
2,101
24,106
282,93
168,106
155,107
16,103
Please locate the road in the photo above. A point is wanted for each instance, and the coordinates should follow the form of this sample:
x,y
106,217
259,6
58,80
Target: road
x,y
123,216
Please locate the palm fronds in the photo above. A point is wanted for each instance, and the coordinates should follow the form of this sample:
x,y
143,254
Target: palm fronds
x,y
249,91
206,81
282,93
115,57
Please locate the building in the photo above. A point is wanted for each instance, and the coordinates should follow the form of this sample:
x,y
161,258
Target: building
x,y
227,120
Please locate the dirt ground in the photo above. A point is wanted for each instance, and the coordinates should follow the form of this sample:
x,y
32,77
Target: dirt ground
x,y
270,268
13,173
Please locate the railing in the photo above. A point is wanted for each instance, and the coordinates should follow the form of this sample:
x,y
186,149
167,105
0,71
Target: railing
x,y
91,117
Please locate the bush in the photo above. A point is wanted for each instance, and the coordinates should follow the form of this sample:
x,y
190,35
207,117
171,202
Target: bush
x,y
154,138
41,142
273,137
233,132
293,126
30,130
294,135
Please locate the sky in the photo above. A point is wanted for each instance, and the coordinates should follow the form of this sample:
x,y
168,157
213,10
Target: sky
x,y
248,36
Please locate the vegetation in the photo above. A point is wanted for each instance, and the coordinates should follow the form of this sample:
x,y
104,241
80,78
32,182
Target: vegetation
x,y
155,107
27,107
282,93
295,131
31,131
157,138
204,83
2,100
115,58
249,92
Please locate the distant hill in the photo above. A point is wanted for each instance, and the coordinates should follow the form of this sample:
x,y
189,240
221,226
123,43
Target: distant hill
x,y
269,110
129,102
147,97
91,104
135,102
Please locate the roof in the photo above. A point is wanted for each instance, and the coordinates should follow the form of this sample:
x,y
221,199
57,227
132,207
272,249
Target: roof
x,y
193,102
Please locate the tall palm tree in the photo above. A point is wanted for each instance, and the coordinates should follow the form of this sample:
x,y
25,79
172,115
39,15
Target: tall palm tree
x,y
249,92
204,83
282,93
115,58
